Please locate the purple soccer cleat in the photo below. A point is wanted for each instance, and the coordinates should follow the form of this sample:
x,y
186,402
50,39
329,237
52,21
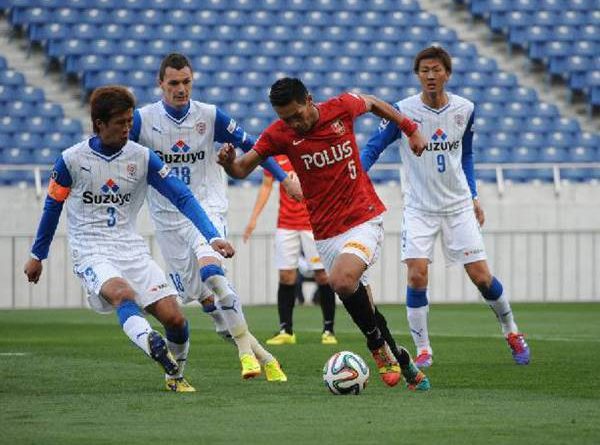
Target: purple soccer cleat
x,y
424,359
519,348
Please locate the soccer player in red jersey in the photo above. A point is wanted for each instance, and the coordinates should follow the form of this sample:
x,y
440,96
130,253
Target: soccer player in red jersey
x,y
345,211
293,238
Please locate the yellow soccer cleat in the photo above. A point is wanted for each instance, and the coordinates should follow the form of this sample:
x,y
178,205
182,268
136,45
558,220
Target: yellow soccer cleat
x,y
250,366
328,338
283,338
274,372
179,385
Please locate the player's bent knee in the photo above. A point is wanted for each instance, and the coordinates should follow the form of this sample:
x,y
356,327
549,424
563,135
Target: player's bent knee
x,y
343,284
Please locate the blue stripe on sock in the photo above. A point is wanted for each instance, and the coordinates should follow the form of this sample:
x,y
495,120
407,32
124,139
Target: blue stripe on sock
x,y
416,297
494,291
178,335
126,309
209,270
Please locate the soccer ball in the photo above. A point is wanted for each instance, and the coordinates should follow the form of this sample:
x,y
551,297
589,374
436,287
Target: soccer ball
x,y
345,373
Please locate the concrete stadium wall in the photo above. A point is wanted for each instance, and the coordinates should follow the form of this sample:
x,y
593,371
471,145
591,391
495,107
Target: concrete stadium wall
x,y
543,247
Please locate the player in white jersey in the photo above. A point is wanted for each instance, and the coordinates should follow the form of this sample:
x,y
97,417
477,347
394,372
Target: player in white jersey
x,y
182,132
441,196
104,181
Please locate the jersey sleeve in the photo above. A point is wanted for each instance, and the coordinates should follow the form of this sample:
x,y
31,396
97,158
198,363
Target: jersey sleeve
x,y
467,156
180,195
58,191
386,133
134,133
227,130
353,103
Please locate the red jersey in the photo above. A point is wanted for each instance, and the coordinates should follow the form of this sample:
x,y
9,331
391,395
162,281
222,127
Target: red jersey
x,y
292,214
339,195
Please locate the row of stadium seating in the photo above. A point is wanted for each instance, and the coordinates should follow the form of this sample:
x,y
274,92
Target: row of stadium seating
x,y
192,6
565,36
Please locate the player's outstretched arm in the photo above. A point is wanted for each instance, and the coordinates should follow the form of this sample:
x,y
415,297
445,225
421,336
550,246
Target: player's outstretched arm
x,y
59,188
182,197
238,167
261,200
386,111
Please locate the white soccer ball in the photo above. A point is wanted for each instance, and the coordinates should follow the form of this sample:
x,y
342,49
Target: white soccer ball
x,y
345,373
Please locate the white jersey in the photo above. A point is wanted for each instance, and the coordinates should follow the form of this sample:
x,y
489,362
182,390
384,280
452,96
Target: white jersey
x,y
187,147
106,195
435,182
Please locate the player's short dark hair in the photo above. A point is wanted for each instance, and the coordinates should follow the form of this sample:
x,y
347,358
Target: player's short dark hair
x,y
434,52
286,90
109,100
174,60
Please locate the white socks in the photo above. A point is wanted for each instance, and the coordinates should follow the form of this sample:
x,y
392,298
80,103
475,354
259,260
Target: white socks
x,y
137,329
503,311
417,323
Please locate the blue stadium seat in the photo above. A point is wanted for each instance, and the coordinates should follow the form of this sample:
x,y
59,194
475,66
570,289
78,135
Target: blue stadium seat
x,y
27,140
217,47
8,94
48,31
319,18
236,109
587,139
301,48
200,33
124,17
344,17
279,33
473,94
338,79
143,63
19,109
381,48
38,124
9,124
539,124
18,155
254,78
103,47
260,17
31,94
559,139
567,125
225,79
267,48
31,16
234,63
93,80
11,78
212,94
59,141
69,126
489,109
255,125
521,94
386,93
517,109
317,63
509,124
583,154
246,94
50,110
393,79
83,31
553,154
353,48
65,48
503,140
290,64
336,34
93,16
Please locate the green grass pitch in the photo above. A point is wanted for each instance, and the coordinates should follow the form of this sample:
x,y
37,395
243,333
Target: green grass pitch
x,y
72,377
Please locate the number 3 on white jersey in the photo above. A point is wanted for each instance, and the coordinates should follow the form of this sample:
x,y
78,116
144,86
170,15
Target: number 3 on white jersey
x,y
352,169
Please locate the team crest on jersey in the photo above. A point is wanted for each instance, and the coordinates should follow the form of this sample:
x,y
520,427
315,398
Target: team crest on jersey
x,y
180,146
132,170
439,135
459,120
338,127
201,127
110,186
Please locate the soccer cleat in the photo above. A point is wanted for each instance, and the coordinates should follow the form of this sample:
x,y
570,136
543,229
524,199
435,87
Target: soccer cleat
x,y
424,359
160,353
519,348
328,338
274,373
389,370
283,338
179,385
250,366
416,380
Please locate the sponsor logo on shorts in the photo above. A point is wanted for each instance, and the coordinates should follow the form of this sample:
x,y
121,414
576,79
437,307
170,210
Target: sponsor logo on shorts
x,y
159,287
315,260
358,246
472,252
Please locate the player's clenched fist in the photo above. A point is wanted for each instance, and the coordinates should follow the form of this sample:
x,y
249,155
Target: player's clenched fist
x,y
33,270
226,155
417,143
223,247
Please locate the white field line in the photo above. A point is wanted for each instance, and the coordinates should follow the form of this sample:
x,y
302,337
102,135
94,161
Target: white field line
x,y
14,354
